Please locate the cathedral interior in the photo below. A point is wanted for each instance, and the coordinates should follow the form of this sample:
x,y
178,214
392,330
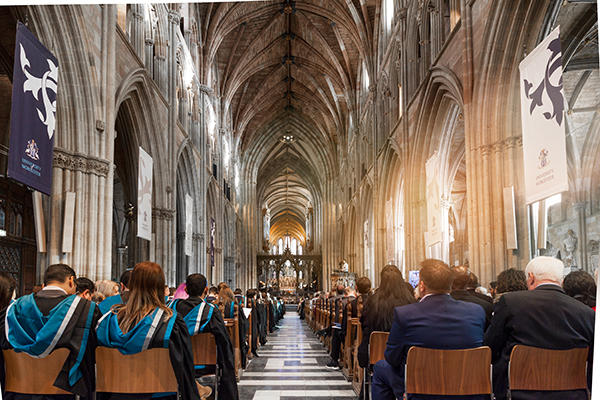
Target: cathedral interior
x,y
302,132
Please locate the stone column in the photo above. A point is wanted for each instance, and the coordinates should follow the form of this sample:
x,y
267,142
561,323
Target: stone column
x,y
149,55
582,259
137,30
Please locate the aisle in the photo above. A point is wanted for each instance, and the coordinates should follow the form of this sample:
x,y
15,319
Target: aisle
x,y
292,366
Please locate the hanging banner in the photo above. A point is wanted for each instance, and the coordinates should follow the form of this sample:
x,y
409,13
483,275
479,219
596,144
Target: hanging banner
x,y
434,211
211,249
542,115
189,210
33,112
144,203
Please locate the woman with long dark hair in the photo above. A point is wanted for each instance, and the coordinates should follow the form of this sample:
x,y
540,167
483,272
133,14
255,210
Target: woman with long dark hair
x,y
378,312
145,322
8,286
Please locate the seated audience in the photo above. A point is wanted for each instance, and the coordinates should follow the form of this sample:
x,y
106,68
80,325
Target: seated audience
x,y
121,298
50,319
107,288
378,312
438,321
510,280
546,317
203,317
581,286
363,285
251,303
337,305
473,287
85,288
213,295
98,297
126,327
230,309
492,289
239,297
462,276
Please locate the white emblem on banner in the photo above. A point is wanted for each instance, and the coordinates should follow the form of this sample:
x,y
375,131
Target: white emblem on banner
x,y
46,83
542,114
144,212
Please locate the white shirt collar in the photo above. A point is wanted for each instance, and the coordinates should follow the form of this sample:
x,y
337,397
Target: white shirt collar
x,y
52,287
430,294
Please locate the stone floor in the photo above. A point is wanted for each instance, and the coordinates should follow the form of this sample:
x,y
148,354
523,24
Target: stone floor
x,y
292,366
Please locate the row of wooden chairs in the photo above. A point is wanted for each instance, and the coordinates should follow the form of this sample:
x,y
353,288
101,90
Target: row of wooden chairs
x,y
469,371
147,372
457,372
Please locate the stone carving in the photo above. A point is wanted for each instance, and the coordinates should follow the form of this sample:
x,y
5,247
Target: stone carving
x,y
79,162
163,214
569,246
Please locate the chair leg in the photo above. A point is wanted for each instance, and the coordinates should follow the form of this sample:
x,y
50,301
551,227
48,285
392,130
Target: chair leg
x,y
217,381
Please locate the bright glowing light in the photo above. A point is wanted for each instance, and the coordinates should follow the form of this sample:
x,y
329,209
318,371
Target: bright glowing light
x,y
389,14
226,153
211,121
366,80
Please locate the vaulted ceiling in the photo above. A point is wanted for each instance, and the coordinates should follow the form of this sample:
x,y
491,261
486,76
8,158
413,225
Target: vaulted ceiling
x,y
286,73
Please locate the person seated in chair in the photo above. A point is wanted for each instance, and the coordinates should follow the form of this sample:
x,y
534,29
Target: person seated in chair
x,y
231,309
462,278
85,288
120,298
145,322
203,317
55,318
438,321
213,295
544,316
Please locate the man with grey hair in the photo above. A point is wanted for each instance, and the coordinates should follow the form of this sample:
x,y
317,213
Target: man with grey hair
x,y
545,317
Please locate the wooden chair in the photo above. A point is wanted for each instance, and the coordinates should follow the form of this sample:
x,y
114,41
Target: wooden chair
x,y
34,376
234,334
204,348
147,372
448,372
348,345
357,373
532,368
377,344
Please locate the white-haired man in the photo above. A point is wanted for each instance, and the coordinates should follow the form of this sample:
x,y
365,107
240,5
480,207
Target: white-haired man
x,y
544,316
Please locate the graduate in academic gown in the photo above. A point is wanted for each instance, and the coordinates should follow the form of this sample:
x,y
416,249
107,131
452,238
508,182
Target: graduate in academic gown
x,y
145,322
120,298
50,319
251,303
231,308
262,317
203,317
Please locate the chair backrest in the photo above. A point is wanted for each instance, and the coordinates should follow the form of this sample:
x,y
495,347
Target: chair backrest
x,y
377,343
532,368
204,348
448,372
29,375
147,372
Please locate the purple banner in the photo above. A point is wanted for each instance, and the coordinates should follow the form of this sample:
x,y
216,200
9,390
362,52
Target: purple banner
x,y
33,113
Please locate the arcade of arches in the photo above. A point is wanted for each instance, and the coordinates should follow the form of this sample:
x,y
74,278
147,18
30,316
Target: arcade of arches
x,y
302,131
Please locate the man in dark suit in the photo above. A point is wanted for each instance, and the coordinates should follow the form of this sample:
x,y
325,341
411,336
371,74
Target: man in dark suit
x,y
542,317
462,276
438,321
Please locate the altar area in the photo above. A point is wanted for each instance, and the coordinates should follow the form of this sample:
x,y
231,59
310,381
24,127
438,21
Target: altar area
x,y
290,275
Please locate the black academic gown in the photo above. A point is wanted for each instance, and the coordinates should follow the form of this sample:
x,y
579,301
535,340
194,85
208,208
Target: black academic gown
x,y
225,358
244,326
262,321
71,339
250,303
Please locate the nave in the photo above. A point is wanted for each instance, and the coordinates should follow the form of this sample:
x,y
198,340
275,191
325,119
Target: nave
x,y
292,366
